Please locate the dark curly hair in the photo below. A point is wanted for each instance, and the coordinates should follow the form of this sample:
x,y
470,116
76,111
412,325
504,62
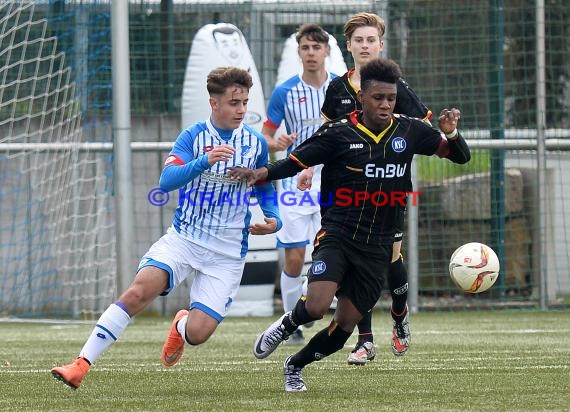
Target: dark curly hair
x,y
381,70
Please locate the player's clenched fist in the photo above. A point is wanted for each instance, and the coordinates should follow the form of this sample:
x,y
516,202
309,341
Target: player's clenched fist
x,y
448,119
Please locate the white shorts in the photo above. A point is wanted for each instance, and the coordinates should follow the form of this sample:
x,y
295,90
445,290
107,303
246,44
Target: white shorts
x,y
300,225
217,277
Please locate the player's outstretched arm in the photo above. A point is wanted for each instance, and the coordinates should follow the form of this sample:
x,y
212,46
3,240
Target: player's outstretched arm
x,y
275,171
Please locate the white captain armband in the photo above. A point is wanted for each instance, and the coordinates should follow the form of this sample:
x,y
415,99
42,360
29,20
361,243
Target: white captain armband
x,y
451,136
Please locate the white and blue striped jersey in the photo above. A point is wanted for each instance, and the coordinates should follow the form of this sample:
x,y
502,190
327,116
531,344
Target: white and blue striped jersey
x,y
213,209
299,106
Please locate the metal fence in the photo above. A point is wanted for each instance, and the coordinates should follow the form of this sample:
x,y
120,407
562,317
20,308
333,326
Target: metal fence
x,y
488,59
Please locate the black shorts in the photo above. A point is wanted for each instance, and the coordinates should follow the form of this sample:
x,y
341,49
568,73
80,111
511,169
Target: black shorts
x,y
359,270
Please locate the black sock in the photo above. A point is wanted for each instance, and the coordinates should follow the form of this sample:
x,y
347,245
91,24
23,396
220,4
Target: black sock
x,y
365,328
398,284
299,316
324,343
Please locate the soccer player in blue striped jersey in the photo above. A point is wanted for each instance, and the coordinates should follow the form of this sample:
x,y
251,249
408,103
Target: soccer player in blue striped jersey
x,y
209,231
297,102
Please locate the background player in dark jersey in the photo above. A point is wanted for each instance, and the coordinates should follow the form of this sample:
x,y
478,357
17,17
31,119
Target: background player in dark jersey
x,y
363,33
366,155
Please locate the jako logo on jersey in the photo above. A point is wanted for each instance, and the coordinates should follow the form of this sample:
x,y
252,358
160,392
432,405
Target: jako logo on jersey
x,y
302,99
356,145
390,170
207,149
398,145
318,267
346,101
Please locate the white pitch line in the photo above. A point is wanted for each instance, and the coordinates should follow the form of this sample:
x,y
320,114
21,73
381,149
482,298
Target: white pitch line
x,y
385,367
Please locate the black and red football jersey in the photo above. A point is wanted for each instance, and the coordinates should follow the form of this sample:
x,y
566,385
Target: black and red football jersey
x,y
365,173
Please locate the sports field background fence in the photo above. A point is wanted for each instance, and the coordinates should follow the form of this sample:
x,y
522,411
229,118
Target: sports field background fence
x,y
58,203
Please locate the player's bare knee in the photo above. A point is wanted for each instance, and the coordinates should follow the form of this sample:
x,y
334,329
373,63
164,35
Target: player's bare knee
x,y
294,261
294,266
135,298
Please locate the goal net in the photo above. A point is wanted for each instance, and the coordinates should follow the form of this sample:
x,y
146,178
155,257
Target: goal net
x,y
56,244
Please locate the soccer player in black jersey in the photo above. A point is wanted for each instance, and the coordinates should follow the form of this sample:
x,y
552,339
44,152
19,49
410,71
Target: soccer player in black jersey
x,y
366,159
363,32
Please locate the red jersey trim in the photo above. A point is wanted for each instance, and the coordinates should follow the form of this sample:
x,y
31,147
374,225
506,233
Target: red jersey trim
x,y
443,148
268,123
173,160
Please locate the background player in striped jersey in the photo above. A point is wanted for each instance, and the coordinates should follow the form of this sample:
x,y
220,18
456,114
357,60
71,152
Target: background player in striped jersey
x,y
367,152
209,230
297,102
363,33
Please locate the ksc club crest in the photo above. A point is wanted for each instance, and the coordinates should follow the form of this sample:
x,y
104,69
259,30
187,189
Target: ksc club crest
x,y
318,267
398,145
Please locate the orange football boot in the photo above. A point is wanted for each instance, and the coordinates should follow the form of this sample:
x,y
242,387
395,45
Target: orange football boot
x,y
72,374
173,348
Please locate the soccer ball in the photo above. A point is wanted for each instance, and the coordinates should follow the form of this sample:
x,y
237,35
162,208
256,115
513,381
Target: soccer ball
x,y
474,267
